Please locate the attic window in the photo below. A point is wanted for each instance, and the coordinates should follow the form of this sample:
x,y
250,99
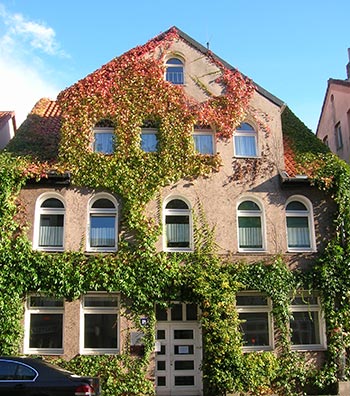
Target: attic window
x,y
174,71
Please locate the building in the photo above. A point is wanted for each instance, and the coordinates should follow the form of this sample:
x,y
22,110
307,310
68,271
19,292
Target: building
x,y
7,127
334,123
164,222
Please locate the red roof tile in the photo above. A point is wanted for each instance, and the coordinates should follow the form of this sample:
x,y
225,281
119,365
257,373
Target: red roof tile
x,y
289,158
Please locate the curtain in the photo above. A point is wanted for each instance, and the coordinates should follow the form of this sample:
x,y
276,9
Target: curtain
x,y
103,143
245,146
298,232
203,143
250,235
102,231
149,142
50,235
178,234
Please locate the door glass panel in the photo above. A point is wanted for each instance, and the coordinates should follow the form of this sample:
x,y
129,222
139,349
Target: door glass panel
x,y
161,381
161,365
161,313
183,349
162,350
161,335
184,380
184,365
184,334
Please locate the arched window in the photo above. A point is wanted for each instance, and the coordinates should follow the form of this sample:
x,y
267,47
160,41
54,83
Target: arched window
x,y
104,137
103,225
174,71
245,141
300,234
250,226
178,223
49,229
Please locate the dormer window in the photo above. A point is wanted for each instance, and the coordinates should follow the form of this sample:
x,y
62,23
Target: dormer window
x,y
174,71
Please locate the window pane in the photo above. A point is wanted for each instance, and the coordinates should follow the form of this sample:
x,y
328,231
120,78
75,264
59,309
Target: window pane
x,y
191,312
305,328
45,330
161,313
7,370
184,364
250,232
52,203
245,146
100,301
248,205
51,230
103,203
103,143
184,380
101,331
183,334
176,204
102,231
255,328
183,349
25,373
177,231
248,300
245,127
203,143
149,142
38,301
176,312
296,205
298,232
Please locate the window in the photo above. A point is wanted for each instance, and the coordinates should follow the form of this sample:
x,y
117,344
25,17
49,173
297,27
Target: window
x,y
149,140
254,311
100,323
177,215
103,226
174,71
299,218
250,226
177,312
44,325
16,371
307,325
325,141
49,223
338,136
203,141
245,141
103,140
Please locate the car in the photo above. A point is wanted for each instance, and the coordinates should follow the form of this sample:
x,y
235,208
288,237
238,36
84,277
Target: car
x,y
25,376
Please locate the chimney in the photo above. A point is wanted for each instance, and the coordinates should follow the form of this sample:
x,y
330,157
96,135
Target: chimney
x,y
348,66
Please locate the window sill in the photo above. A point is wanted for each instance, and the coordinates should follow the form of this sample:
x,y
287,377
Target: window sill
x,y
46,351
308,348
50,250
99,352
257,348
179,250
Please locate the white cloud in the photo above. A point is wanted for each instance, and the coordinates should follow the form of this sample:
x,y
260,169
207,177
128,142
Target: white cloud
x,y
26,48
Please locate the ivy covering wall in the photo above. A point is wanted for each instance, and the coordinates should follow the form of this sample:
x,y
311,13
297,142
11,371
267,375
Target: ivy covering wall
x,y
124,91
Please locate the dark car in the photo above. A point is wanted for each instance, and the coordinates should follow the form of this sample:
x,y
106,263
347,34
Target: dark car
x,y
22,376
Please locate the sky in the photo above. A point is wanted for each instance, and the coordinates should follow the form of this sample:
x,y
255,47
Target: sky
x,y
290,48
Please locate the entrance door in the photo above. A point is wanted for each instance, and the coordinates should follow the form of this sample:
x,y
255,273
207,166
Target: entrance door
x,y
179,358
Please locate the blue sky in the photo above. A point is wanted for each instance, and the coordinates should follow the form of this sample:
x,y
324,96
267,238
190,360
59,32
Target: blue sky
x,y
290,48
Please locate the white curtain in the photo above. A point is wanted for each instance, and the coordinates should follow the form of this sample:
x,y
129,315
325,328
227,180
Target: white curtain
x,y
102,236
104,143
177,233
245,146
250,237
203,144
51,236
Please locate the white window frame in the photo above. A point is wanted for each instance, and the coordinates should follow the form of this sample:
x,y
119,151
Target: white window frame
x,y
177,212
204,132
174,56
316,308
48,211
27,323
299,213
246,133
252,213
149,131
251,309
99,310
101,212
101,131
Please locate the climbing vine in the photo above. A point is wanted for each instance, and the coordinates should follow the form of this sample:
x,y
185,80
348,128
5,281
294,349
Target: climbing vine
x,y
129,92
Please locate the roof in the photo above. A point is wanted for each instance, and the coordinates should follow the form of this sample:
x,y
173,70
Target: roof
x,y
39,133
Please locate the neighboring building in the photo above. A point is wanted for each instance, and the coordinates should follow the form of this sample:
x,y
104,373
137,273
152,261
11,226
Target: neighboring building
x,y
7,127
132,141
334,123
